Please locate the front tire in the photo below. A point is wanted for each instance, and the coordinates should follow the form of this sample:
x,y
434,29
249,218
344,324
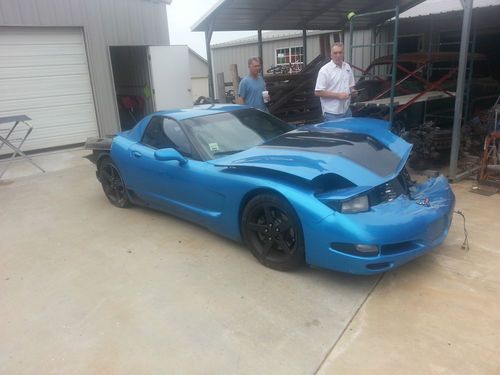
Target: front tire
x,y
272,230
112,184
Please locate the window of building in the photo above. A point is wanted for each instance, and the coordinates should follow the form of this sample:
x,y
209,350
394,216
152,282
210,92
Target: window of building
x,y
293,56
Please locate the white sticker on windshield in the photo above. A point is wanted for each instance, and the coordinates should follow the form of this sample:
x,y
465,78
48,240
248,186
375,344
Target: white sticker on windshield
x,y
213,147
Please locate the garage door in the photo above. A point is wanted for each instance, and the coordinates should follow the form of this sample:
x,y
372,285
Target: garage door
x,y
44,74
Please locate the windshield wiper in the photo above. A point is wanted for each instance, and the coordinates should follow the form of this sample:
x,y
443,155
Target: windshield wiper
x,y
220,153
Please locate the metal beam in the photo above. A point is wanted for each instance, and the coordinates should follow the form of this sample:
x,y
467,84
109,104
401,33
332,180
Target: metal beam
x,y
261,54
208,38
304,47
468,100
462,66
351,39
394,64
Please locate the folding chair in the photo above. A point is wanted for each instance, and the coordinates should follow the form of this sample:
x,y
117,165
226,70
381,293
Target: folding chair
x,y
14,137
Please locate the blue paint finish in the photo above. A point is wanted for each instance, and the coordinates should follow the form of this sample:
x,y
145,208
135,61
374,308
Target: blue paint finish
x,y
399,221
211,193
307,165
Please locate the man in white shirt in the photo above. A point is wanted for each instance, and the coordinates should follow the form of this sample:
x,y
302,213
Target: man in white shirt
x,y
335,85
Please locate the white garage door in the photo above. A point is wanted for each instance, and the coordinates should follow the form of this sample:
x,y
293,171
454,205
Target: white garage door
x,y
44,75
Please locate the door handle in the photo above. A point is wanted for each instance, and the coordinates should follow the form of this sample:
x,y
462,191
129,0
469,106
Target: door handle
x,y
137,154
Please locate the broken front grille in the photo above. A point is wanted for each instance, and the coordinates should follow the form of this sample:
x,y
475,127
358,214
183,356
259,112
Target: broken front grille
x,y
390,190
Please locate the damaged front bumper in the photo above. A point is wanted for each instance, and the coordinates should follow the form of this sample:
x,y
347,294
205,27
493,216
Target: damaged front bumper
x,y
387,236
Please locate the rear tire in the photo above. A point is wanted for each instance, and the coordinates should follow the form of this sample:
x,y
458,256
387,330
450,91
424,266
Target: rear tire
x,y
272,231
112,184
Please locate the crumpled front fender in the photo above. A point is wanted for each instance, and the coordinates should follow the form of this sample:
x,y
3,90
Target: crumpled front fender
x,y
402,229
435,193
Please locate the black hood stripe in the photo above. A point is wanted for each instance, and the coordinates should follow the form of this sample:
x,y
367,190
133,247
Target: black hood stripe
x,y
361,149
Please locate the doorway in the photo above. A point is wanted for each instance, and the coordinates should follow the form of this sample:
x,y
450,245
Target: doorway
x,y
132,83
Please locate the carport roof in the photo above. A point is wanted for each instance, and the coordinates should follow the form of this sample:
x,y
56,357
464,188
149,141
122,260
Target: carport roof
x,y
231,15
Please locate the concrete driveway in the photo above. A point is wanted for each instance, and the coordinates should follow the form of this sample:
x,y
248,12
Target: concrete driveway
x,y
88,288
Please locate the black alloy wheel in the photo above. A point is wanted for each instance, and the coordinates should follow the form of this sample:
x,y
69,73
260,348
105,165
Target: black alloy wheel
x,y
272,230
112,184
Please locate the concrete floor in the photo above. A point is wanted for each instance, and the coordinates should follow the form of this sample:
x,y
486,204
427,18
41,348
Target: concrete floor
x,y
87,288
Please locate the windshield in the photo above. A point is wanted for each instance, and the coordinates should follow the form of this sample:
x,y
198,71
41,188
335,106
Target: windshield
x,y
230,132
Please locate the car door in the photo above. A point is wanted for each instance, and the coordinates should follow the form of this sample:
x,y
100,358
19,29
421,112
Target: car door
x,y
182,189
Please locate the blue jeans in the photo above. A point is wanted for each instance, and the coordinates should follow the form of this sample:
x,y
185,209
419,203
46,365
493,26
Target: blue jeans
x,y
333,117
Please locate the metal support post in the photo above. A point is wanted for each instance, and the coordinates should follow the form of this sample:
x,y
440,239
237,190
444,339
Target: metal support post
x,y
351,39
208,38
468,101
304,47
261,54
394,63
462,65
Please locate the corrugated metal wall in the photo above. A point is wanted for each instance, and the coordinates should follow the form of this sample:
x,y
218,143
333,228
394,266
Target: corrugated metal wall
x,y
223,57
362,56
105,23
198,67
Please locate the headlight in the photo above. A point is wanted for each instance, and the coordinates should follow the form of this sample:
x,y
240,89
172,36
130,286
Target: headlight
x,y
358,204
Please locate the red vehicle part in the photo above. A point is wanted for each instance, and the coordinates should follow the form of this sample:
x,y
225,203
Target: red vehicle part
x,y
489,161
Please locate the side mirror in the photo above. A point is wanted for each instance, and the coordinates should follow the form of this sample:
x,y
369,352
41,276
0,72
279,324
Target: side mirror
x,y
167,154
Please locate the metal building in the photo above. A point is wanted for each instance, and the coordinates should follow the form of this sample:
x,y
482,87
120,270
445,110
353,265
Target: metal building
x,y
56,62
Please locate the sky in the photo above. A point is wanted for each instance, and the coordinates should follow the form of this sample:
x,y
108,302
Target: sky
x,y
182,14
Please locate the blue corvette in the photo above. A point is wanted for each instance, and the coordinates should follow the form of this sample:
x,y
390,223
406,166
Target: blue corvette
x,y
334,195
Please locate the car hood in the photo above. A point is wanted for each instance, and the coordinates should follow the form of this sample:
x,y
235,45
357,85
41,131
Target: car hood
x,y
311,151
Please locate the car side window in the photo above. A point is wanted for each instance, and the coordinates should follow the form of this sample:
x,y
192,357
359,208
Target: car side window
x,y
163,132
174,132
